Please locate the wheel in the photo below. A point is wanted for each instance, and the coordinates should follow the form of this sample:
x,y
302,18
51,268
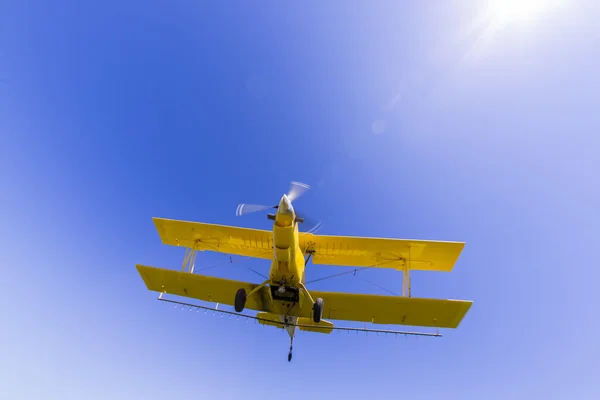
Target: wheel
x,y
290,356
240,300
318,310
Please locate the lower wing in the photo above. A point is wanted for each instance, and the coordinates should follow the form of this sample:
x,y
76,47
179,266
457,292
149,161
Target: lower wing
x,y
392,310
202,287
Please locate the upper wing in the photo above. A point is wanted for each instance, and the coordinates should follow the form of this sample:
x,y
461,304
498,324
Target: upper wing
x,y
202,287
351,251
393,310
220,238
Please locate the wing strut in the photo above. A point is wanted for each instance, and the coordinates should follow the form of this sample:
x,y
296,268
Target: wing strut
x,y
189,260
406,267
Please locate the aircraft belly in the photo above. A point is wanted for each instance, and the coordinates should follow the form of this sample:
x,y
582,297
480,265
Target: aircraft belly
x,y
285,268
289,308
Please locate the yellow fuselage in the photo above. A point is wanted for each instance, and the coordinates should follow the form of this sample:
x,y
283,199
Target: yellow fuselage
x,y
287,266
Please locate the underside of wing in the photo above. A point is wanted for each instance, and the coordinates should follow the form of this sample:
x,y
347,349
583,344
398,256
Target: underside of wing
x,y
392,310
202,287
219,238
425,255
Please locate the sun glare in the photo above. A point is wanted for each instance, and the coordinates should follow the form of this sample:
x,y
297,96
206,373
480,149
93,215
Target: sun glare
x,y
505,11
495,16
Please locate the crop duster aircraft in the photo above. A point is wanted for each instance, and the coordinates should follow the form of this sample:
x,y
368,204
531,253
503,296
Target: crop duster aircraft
x,y
283,300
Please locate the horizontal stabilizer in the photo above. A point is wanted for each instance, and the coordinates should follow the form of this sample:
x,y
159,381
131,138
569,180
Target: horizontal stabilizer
x,y
307,324
270,319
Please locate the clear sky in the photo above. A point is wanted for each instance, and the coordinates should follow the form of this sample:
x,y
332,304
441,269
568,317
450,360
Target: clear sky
x,y
445,120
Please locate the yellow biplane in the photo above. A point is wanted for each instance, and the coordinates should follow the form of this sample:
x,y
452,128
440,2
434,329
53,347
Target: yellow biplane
x,y
283,300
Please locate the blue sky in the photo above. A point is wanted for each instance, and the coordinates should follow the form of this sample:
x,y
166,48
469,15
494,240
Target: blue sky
x,y
432,121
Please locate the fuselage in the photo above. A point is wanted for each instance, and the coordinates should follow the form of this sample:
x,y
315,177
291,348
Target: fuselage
x,y
287,267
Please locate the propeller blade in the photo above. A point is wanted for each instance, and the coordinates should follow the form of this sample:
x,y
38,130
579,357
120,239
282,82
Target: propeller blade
x,y
309,223
296,190
244,209
315,227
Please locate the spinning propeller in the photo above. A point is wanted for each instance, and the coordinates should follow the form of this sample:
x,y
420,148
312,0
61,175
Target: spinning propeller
x,y
296,190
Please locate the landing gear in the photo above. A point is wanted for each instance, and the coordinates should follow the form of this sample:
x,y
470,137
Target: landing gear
x,y
240,300
318,310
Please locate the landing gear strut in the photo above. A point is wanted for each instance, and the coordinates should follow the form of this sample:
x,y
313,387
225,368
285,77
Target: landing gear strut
x,y
317,305
290,353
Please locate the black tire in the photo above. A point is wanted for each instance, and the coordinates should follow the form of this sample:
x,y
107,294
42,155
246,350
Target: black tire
x,y
289,357
318,310
240,300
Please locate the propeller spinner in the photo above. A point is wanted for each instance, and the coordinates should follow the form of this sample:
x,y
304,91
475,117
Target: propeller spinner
x,y
296,190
